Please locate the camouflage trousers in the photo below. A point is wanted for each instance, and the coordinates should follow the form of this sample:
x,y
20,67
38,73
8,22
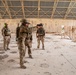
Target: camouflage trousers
x,y
22,43
28,44
6,42
40,38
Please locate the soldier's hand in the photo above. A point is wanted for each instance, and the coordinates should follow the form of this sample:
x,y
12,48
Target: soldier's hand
x,y
37,35
16,39
10,36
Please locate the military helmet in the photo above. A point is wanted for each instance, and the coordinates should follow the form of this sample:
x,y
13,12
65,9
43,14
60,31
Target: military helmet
x,y
5,24
41,24
27,22
38,24
23,20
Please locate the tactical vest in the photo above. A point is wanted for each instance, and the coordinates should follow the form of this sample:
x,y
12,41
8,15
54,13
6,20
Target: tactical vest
x,y
41,31
7,32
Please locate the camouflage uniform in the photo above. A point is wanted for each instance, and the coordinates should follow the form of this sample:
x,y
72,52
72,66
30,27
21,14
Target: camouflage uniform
x,y
22,42
6,37
40,35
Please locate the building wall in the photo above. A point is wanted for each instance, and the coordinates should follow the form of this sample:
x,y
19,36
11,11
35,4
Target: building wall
x,y
50,25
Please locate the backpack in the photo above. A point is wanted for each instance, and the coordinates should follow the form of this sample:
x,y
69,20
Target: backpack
x,y
17,32
41,31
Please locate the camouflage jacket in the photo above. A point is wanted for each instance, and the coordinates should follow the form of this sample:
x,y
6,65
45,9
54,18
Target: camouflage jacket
x,y
40,32
23,32
29,33
6,31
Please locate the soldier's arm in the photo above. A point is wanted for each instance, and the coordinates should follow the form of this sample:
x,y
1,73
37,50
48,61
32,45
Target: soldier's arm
x,y
37,33
44,32
10,33
2,31
17,33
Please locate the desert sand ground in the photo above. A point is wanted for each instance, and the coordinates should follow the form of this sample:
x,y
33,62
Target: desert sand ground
x,y
58,58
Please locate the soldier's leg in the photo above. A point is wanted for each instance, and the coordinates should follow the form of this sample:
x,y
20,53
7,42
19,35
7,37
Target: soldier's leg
x,y
8,42
38,40
30,41
29,52
61,35
4,43
29,48
64,35
21,51
21,57
24,51
42,40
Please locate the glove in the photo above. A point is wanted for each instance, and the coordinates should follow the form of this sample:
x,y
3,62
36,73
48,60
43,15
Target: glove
x,y
10,36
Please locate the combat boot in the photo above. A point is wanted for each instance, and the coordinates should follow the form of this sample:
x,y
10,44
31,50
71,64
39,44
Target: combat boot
x,y
43,48
5,49
8,49
23,66
30,56
25,61
37,46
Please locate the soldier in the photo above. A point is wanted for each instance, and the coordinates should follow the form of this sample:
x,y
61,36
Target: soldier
x,y
28,41
62,31
23,42
6,36
40,35
73,32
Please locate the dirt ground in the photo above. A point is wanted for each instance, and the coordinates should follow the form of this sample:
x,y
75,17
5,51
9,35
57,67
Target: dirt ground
x,y
58,58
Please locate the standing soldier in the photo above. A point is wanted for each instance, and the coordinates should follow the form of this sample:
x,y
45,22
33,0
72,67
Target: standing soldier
x,y
6,36
62,31
73,32
40,35
22,41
